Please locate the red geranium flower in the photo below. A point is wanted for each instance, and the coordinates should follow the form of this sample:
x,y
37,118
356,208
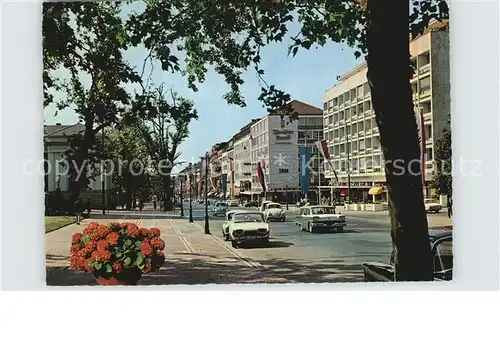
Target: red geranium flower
x,y
144,232
154,232
74,248
133,230
146,249
90,246
102,245
147,268
113,238
76,237
158,243
117,267
101,255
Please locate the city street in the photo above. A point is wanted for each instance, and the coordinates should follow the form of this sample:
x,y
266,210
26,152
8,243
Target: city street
x,y
293,256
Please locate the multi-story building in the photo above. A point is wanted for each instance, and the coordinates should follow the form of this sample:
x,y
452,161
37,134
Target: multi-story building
x,y
275,143
349,120
242,163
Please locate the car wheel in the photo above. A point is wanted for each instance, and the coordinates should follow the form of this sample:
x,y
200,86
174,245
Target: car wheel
x,y
340,229
265,242
234,244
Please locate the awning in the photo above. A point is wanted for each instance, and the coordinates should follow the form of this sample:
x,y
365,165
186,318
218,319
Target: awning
x,y
376,190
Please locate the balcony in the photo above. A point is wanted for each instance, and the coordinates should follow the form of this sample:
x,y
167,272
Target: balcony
x,y
427,116
368,132
424,69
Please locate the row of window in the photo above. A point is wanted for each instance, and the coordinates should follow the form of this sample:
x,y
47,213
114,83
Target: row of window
x,y
310,121
310,134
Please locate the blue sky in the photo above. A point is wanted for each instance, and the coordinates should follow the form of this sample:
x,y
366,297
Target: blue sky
x,y
305,77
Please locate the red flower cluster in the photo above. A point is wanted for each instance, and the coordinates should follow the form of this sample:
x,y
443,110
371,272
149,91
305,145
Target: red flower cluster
x,y
154,232
146,248
101,255
158,243
113,238
101,244
76,238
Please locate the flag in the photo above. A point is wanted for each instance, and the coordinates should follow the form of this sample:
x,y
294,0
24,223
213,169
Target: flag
x,y
260,175
419,116
323,148
305,155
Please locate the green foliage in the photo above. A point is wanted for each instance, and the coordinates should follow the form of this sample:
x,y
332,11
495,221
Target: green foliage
x,y
442,180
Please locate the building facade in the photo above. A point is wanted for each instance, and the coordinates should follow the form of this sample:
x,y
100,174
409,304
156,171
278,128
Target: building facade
x,y
349,120
242,163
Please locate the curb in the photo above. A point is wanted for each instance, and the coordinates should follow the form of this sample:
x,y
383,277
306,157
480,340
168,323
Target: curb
x,y
64,226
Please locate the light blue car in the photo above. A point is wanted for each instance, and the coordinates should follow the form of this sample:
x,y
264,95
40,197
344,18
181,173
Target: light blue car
x,y
220,209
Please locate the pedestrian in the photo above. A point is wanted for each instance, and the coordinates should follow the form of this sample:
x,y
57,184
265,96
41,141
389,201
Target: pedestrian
x,y
141,205
77,207
154,204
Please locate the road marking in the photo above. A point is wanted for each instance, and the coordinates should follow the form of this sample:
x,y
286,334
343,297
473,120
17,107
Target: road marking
x,y
186,244
249,262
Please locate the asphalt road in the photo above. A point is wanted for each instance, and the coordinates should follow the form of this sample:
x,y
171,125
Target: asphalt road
x,y
314,257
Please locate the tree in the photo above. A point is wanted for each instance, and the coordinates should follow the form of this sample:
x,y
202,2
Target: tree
x,y
442,180
164,126
93,60
230,34
127,148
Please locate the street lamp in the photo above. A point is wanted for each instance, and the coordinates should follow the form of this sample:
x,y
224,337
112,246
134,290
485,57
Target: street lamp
x,y
181,177
190,193
207,227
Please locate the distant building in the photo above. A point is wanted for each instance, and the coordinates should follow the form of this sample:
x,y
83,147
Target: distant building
x,y
56,143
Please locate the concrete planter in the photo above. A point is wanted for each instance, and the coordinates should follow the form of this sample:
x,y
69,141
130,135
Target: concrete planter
x,y
362,207
374,207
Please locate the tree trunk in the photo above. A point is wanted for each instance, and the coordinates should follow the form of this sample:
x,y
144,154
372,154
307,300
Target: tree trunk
x,y
389,75
167,190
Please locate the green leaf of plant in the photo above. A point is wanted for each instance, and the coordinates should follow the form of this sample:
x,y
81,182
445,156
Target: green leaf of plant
x,y
98,265
127,261
147,260
118,254
140,266
85,239
109,269
128,242
140,259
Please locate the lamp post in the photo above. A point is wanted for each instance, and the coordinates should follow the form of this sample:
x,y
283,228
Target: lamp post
x,y
181,177
103,184
190,193
207,227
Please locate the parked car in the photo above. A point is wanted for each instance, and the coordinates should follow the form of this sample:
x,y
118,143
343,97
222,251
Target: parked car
x,y
225,225
432,205
274,212
442,252
201,201
233,203
312,218
252,204
246,226
220,209
263,205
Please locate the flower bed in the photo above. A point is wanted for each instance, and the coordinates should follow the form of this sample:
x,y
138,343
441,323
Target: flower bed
x,y
117,254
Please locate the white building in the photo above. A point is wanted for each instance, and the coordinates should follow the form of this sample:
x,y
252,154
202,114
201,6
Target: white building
x,y
56,143
275,145
349,120
242,163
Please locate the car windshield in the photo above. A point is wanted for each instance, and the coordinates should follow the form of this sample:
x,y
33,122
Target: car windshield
x,y
221,204
274,206
247,217
322,210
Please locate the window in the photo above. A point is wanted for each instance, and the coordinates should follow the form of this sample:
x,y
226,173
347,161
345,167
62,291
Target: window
x,y
309,134
353,94
353,111
428,131
325,121
336,149
341,99
342,165
354,128
341,115
369,163
376,142
336,133
443,255
425,84
302,122
362,145
355,164
368,124
423,59
349,147
366,89
346,96
360,126
362,163
342,148
335,101
360,90
368,143
368,105
301,134
374,123
320,134
335,118
341,132
354,145
426,107
348,129
428,154
348,113
360,108
315,134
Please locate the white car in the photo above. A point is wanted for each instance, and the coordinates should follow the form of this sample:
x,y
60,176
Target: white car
x,y
312,218
219,209
432,205
263,205
274,212
246,226
225,225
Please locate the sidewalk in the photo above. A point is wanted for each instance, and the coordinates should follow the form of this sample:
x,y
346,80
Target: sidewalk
x,y
192,257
